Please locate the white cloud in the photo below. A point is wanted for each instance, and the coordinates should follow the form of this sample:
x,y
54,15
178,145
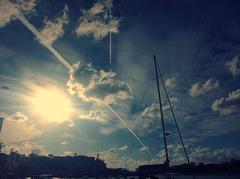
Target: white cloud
x,y
123,148
23,129
234,66
153,111
26,148
208,155
97,28
97,115
97,86
170,83
118,149
9,10
173,99
228,105
202,88
198,154
96,21
176,154
18,116
64,142
67,153
54,29
96,9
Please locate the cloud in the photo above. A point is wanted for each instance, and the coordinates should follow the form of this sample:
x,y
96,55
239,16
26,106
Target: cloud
x,y
228,105
118,149
64,142
33,29
97,115
67,153
198,154
4,87
97,21
23,128
170,83
6,53
111,156
54,29
26,148
234,66
9,10
18,116
153,111
123,148
36,151
97,86
202,88
67,135
208,155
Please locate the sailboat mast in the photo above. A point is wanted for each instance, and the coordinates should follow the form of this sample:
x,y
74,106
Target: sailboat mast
x,y
175,120
161,112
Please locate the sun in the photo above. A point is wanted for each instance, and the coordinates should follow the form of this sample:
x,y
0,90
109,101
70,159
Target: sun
x,y
51,104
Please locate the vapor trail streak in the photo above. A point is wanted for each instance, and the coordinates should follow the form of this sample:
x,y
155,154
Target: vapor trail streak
x,y
125,124
110,48
69,67
48,46
110,39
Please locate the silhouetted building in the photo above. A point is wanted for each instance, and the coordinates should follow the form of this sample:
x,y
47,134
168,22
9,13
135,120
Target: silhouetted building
x,y
33,165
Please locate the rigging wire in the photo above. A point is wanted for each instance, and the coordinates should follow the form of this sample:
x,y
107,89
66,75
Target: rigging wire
x,y
174,117
161,113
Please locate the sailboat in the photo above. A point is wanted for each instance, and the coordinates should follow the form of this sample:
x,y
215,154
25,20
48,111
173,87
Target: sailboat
x,y
166,165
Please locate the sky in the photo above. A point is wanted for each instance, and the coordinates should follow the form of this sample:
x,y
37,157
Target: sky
x,y
78,77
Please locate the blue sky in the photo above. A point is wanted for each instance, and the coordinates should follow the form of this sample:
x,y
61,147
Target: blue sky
x,y
72,103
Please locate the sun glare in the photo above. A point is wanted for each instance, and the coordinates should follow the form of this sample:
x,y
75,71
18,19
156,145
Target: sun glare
x,y
51,104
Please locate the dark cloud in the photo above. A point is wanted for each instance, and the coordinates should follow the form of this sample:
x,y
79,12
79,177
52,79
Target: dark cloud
x,y
4,87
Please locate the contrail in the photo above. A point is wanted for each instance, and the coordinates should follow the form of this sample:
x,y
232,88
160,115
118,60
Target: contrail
x,y
58,56
125,124
61,59
110,38
110,48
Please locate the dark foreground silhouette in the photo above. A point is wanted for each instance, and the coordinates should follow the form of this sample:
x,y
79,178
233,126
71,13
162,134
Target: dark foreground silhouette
x,y
15,164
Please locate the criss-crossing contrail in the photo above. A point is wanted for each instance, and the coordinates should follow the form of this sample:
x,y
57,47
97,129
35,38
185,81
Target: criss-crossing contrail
x,y
61,59
58,56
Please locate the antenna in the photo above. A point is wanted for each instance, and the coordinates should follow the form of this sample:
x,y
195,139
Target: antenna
x,y
161,112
